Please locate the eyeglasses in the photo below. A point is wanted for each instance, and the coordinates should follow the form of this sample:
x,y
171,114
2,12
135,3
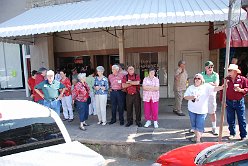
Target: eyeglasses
x,y
210,67
197,78
230,70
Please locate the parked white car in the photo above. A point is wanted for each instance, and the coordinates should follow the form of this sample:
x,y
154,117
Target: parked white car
x,y
32,134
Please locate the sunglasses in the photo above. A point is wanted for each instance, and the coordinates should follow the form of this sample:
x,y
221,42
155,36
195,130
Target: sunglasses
x,y
210,67
197,78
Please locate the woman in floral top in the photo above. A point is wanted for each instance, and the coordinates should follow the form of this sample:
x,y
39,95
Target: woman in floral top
x,y
80,94
151,98
101,87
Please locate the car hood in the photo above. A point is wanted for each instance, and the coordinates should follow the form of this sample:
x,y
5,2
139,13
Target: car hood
x,y
184,155
62,154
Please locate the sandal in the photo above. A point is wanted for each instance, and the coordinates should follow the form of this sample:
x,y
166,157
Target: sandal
x,y
193,139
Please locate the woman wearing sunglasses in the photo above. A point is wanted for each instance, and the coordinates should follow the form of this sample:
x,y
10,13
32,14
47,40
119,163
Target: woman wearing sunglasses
x,y
197,96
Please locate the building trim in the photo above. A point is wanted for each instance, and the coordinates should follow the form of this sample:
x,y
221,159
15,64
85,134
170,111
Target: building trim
x,y
112,51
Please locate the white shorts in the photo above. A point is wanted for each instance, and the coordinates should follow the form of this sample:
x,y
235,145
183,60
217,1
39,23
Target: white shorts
x,y
212,105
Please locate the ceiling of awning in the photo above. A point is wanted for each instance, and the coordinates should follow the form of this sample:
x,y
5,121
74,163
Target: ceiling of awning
x,y
113,13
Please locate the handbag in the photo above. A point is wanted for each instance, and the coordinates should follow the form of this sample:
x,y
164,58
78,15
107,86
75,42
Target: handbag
x,y
89,100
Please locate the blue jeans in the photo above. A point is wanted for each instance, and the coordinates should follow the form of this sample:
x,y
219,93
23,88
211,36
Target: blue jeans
x,y
40,102
197,121
238,107
55,105
117,100
83,110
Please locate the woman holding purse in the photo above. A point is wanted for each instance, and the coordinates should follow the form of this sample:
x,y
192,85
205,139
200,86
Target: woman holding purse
x,y
80,95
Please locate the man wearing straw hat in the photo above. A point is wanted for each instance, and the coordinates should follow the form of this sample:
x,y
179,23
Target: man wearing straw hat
x,y
237,88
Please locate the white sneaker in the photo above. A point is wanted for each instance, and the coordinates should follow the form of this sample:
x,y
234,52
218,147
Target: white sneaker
x,y
231,137
104,123
215,131
191,130
155,124
99,123
148,123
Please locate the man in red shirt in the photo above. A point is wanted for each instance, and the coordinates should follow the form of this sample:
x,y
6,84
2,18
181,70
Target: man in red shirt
x,y
40,76
237,88
31,83
131,83
116,95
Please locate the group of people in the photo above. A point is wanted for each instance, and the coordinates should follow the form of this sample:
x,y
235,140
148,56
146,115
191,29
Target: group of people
x,y
89,94
201,98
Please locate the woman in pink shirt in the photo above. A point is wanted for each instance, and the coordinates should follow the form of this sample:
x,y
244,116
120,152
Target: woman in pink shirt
x,y
151,98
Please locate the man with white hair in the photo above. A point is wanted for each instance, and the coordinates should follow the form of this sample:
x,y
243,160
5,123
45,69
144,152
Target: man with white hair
x,y
116,94
51,89
237,88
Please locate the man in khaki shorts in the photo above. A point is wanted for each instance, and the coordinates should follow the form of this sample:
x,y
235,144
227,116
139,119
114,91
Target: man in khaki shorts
x,y
212,78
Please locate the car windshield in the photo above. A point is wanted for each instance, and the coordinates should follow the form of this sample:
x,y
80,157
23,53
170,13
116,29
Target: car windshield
x,y
20,135
227,150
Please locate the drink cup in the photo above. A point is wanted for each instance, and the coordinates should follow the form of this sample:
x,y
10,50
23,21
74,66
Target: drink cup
x,y
236,86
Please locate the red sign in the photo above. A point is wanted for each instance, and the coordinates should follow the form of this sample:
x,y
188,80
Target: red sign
x,y
78,60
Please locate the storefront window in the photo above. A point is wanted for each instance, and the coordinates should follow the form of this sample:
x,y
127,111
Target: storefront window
x,y
148,60
143,61
11,75
81,63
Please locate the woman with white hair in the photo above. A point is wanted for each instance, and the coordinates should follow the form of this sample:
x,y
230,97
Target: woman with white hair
x,y
80,95
101,87
197,96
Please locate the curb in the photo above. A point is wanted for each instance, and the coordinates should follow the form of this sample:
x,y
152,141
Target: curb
x,y
131,150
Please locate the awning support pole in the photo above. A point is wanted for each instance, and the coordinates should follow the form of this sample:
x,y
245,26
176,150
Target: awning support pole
x,y
228,39
121,45
162,28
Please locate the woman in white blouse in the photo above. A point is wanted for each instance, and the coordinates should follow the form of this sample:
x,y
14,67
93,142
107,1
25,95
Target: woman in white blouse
x,y
197,96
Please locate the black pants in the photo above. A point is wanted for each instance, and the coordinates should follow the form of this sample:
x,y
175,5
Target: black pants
x,y
133,100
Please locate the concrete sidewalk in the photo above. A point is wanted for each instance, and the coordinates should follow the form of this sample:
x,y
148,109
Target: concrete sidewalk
x,y
136,142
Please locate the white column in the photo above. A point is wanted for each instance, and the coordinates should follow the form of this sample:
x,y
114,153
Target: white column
x,y
25,70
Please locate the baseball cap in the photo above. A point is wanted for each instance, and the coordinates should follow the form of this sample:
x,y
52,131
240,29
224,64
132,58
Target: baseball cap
x,y
42,69
209,63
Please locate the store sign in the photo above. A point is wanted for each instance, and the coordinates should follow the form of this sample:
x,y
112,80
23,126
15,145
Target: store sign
x,y
78,60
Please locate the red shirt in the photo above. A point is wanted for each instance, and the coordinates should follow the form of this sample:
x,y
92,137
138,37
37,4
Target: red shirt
x,y
116,81
134,88
38,79
31,83
67,84
231,94
80,92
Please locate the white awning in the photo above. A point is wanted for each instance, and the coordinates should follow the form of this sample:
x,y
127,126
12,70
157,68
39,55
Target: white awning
x,y
113,13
